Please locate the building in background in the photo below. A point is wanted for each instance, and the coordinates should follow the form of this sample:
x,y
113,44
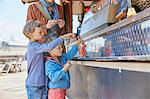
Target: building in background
x,y
12,47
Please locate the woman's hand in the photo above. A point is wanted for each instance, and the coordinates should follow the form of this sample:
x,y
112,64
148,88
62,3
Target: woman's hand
x,y
51,23
61,23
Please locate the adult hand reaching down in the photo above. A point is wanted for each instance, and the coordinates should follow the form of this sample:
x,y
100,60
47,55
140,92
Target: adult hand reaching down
x,y
61,23
51,23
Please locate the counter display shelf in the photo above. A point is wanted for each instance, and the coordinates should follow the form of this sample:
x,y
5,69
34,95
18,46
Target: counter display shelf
x,y
126,40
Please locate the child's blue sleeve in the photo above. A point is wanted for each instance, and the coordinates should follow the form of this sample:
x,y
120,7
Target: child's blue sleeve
x,y
53,73
40,48
70,54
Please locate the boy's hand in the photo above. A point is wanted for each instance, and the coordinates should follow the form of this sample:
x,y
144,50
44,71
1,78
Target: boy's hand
x,y
69,35
67,66
51,23
61,23
79,41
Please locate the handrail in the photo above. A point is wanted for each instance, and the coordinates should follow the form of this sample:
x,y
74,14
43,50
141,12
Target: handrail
x,y
9,54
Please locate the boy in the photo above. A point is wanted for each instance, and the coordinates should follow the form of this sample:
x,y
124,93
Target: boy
x,y
57,70
35,81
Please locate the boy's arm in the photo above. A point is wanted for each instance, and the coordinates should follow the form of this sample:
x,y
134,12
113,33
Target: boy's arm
x,y
40,48
53,74
70,54
48,46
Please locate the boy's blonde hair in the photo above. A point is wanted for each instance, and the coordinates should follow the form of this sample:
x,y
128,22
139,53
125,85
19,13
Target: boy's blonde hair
x,y
30,27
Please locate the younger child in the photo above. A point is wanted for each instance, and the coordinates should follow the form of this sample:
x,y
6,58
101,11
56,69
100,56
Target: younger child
x,y
57,70
35,82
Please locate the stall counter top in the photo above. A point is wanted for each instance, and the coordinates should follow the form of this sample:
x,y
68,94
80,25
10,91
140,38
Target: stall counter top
x,y
129,66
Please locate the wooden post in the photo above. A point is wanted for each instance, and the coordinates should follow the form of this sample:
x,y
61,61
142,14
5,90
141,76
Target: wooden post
x,y
71,13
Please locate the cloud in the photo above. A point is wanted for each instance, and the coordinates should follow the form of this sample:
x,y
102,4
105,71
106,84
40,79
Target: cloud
x,y
1,24
10,1
11,29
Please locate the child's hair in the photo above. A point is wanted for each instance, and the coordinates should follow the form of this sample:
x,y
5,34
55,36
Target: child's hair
x,y
30,26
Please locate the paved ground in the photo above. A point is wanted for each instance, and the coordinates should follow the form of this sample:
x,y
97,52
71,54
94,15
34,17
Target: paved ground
x,y
12,86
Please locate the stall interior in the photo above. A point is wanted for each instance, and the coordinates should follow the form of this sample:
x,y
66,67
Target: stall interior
x,y
95,15
128,42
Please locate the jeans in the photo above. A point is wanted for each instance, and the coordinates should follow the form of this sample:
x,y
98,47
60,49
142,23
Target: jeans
x,y
36,92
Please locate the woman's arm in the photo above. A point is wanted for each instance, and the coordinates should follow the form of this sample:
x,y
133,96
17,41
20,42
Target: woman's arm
x,y
31,13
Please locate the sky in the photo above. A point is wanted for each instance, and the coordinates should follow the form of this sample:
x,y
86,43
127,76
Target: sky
x,y
12,19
